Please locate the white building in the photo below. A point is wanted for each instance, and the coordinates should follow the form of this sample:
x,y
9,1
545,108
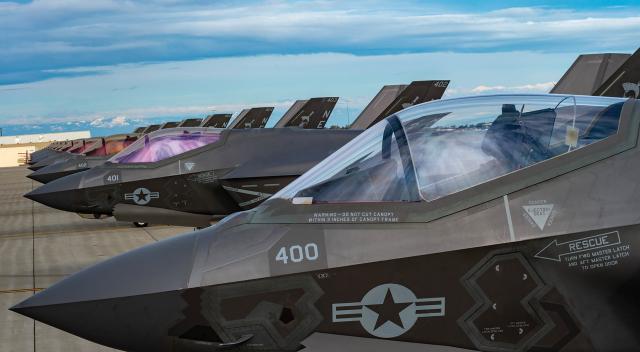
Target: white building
x,y
44,137
13,149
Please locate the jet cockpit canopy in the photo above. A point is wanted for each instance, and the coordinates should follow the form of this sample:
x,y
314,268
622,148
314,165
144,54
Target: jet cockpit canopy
x,y
442,147
163,144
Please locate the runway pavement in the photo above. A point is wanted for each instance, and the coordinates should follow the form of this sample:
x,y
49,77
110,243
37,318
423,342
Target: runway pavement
x,y
39,246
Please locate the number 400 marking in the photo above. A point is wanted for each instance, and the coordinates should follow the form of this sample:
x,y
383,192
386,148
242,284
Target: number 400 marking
x,y
297,254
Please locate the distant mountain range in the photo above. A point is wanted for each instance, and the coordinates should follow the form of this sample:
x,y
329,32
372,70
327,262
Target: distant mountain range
x,y
341,116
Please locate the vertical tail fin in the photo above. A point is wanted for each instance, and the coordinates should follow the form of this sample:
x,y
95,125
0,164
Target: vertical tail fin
x,y
625,81
382,105
151,128
588,73
216,121
170,124
291,112
252,118
314,113
190,123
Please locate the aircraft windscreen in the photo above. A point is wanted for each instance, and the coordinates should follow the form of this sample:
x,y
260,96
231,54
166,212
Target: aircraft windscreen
x,y
442,147
111,147
163,145
80,148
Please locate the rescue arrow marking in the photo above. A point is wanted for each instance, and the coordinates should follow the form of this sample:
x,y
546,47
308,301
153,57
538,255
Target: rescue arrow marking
x,y
554,250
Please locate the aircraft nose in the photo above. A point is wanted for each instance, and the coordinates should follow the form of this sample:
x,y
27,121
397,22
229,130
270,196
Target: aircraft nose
x,y
129,302
49,173
42,163
62,193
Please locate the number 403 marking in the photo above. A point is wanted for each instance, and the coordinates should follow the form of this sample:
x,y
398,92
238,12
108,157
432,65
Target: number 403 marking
x,y
297,253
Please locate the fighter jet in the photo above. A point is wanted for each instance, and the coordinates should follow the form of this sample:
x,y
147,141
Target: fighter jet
x,y
181,140
210,174
492,223
59,147
78,147
75,147
71,163
70,160
68,164
63,164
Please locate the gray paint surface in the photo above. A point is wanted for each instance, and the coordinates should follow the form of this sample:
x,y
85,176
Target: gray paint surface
x,y
64,244
588,72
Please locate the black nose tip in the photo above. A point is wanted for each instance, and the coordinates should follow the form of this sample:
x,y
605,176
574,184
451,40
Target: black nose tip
x,y
52,172
40,176
62,194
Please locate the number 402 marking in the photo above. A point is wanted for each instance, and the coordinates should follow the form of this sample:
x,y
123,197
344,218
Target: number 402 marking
x,y
297,254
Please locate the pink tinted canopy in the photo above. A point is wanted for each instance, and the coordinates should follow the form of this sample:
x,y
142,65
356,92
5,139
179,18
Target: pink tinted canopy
x,y
163,145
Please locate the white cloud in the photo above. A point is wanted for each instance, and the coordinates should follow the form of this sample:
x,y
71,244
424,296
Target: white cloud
x,y
534,87
270,26
183,89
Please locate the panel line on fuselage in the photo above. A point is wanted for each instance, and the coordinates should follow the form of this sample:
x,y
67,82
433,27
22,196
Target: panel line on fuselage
x,y
512,235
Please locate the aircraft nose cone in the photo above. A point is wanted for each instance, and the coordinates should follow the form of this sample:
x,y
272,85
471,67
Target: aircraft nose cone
x,y
129,302
42,163
62,193
42,175
51,172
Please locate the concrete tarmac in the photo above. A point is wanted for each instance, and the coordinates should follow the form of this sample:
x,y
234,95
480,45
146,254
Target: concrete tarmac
x,y
40,246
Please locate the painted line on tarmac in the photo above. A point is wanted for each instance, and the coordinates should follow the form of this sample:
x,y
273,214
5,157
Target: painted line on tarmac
x,y
22,290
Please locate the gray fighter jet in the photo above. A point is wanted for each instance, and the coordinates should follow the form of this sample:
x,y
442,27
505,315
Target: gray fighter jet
x,y
195,176
68,163
493,223
64,164
84,146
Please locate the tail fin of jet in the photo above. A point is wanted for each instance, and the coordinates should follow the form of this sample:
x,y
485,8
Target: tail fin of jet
x,y
588,73
170,124
151,128
392,99
190,123
625,81
252,118
216,120
314,113
291,112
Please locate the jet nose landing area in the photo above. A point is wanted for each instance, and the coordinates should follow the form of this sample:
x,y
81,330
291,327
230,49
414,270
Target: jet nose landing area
x,y
40,246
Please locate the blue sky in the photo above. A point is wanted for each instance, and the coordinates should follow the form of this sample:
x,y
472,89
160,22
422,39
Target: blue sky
x,y
109,65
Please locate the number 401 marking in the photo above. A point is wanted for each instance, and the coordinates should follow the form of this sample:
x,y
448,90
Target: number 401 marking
x,y
296,253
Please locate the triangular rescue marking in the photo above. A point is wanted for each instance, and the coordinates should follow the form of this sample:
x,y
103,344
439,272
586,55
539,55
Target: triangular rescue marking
x,y
539,213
